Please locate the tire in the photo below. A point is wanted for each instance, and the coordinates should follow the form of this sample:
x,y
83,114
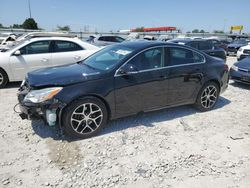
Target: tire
x,y
79,123
3,78
207,97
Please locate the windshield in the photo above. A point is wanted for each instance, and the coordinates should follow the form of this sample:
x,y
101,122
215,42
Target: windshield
x,y
108,57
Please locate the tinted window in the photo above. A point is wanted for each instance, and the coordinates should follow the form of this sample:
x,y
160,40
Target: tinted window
x,y
107,39
149,59
181,56
102,39
119,39
205,45
66,46
36,48
193,44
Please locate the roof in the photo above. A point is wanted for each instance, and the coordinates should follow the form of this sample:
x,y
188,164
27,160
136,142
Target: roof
x,y
140,44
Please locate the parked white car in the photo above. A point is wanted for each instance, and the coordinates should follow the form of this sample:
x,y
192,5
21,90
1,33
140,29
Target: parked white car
x,y
107,40
243,52
36,53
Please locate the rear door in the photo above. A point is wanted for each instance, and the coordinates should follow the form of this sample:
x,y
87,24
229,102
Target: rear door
x,y
67,52
185,74
33,56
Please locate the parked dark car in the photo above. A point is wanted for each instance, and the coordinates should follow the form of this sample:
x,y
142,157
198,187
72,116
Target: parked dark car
x,y
219,43
233,47
240,71
205,45
122,80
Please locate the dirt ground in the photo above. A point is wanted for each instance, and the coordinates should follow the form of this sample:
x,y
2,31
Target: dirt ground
x,y
173,148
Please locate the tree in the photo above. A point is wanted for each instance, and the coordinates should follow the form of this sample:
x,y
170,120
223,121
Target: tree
x,y
202,31
1,25
195,31
218,31
17,26
139,29
30,23
63,28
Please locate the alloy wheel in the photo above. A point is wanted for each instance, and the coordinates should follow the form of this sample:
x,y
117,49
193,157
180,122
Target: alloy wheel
x,y
86,118
209,96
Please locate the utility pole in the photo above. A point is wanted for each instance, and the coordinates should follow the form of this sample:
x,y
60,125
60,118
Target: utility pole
x,y
29,9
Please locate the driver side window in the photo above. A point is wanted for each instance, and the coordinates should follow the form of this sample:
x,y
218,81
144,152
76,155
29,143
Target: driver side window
x,y
35,48
150,59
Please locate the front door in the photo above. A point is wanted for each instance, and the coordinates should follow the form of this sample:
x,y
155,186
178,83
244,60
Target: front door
x,y
144,89
33,56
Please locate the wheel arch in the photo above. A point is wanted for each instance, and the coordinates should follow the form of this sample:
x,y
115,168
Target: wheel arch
x,y
215,81
91,96
2,69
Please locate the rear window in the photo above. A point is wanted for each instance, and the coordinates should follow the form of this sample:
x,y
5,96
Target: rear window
x,y
66,46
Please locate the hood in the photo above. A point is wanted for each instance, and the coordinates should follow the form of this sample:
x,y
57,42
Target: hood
x,y
236,45
62,75
244,63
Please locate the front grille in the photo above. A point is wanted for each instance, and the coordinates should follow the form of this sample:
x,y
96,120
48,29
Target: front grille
x,y
246,52
232,49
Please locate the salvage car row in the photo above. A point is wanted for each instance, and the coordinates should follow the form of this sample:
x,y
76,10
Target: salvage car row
x,y
93,85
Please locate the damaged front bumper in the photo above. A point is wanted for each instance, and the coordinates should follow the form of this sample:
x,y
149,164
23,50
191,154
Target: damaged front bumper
x,y
49,111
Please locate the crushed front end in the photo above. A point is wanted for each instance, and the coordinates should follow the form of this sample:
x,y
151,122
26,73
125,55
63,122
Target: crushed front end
x,y
40,103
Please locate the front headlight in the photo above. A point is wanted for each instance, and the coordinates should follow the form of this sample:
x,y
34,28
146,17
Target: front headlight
x,y
234,68
41,95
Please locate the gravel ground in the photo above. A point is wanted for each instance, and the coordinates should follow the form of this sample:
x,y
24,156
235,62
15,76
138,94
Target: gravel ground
x,y
177,147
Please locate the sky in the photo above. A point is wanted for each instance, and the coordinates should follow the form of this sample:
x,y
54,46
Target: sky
x,y
107,15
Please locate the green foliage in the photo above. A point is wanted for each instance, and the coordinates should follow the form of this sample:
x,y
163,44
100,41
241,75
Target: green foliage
x,y
218,31
195,31
30,23
199,31
63,28
16,26
139,29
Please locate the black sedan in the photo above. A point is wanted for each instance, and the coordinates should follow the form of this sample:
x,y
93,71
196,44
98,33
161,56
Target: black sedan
x,y
206,45
122,80
240,71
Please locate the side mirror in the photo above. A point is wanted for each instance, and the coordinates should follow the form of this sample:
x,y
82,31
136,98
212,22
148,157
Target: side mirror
x,y
128,69
17,53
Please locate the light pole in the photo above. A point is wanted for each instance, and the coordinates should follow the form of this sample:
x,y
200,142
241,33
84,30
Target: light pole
x,y
29,9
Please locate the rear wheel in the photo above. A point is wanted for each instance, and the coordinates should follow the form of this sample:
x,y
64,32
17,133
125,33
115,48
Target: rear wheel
x,y
84,118
3,79
207,97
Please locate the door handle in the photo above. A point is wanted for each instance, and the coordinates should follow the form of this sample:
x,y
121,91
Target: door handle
x,y
45,60
77,57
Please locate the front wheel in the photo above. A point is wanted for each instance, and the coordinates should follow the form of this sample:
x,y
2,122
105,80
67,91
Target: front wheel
x,y
207,97
84,118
